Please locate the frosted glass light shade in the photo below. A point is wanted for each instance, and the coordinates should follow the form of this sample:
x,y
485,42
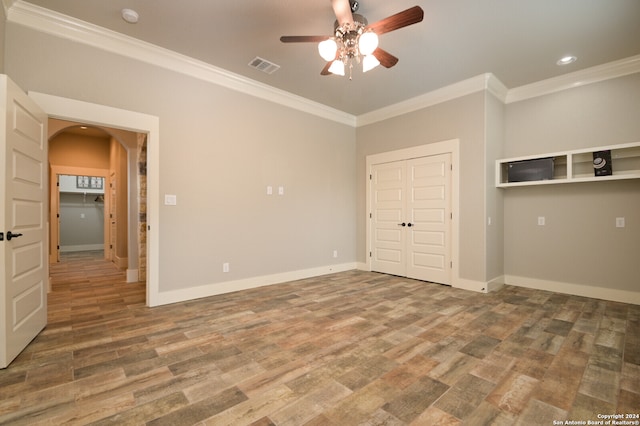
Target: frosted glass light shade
x,y
337,67
368,42
328,49
369,62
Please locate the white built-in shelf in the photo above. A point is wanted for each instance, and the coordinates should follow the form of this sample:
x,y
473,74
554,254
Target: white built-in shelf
x,y
571,166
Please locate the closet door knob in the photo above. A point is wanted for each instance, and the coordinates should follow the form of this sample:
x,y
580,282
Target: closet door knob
x,y
410,224
403,224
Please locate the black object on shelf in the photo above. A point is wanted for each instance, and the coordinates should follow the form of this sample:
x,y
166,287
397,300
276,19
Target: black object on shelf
x,y
602,163
530,170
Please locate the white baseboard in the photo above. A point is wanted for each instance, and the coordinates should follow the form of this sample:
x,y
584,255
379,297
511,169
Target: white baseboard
x,y
614,295
472,285
132,276
495,284
174,296
81,247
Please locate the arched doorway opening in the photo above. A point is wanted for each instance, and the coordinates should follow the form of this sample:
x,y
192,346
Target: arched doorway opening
x,y
110,158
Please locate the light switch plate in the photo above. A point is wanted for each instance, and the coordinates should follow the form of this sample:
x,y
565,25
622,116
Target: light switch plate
x,y
619,222
170,200
281,190
541,220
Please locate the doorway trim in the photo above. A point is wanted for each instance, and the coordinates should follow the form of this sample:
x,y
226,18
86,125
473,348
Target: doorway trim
x,y
102,115
450,146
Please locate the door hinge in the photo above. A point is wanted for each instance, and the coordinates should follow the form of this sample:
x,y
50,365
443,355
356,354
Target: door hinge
x,y
370,216
58,247
369,254
111,246
57,183
451,264
451,215
451,167
370,177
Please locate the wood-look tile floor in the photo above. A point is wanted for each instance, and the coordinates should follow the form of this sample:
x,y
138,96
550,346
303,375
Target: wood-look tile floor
x,y
353,348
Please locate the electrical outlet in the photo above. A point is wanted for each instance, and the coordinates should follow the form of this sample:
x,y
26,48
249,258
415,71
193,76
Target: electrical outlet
x,y
281,190
541,221
269,190
335,254
225,267
619,222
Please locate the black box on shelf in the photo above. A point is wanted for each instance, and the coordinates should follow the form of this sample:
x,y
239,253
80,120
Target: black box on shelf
x,y
530,170
602,163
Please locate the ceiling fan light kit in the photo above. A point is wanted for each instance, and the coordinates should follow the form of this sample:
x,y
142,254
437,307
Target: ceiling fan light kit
x,y
352,43
355,41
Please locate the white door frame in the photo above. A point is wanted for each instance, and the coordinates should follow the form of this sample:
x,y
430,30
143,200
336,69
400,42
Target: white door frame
x,y
101,115
451,146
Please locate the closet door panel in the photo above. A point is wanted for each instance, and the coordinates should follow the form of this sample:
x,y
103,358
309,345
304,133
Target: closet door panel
x,y
429,210
388,184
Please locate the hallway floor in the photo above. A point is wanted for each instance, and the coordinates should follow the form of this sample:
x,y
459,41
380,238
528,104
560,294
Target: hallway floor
x,y
353,348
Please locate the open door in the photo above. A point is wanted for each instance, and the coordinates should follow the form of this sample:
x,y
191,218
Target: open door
x,y
24,269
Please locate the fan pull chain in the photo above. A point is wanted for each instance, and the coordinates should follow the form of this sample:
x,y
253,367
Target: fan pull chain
x,y
350,70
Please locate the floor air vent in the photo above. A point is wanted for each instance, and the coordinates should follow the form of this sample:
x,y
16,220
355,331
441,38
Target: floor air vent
x,y
263,65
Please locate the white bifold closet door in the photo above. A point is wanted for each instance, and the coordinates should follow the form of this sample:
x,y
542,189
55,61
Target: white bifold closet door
x,y
411,218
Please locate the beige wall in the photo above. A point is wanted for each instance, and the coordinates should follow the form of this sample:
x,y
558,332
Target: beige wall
x,y
580,243
219,150
463,119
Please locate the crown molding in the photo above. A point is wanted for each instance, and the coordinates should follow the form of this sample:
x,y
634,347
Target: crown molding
x,y
59,25
6,4
583,77
453,91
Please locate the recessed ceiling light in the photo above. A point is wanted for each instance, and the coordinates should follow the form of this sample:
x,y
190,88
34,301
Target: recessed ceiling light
x,y
130,15
566,60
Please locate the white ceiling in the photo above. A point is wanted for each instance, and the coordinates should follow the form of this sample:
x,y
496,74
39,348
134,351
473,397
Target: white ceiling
x,y
519,41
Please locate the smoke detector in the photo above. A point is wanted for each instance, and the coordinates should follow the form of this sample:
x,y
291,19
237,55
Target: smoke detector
x,y
130,15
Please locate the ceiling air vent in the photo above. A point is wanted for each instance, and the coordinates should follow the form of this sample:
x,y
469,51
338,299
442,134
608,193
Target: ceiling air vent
x,y
263,65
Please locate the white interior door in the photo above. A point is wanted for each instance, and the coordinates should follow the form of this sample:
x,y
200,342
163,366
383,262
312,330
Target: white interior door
x,y
411,218
23,190
388,187
429,214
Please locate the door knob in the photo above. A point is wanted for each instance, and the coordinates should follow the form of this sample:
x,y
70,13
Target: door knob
x,y
11,235
402,224
410,224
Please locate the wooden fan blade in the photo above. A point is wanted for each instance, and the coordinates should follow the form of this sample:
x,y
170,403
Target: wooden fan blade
x,y
303,39
325,70
405,18
386,59
342,9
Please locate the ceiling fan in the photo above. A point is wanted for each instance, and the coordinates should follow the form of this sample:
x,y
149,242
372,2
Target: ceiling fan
x,y
355,40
